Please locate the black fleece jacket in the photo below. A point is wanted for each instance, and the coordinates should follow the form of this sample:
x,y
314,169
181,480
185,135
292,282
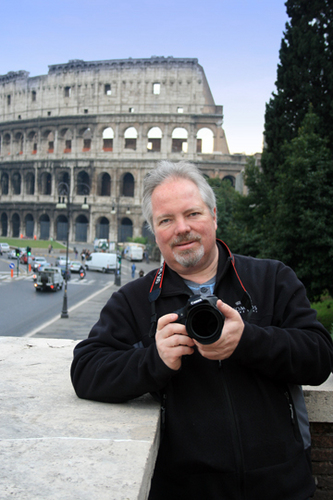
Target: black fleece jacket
x,y
235,429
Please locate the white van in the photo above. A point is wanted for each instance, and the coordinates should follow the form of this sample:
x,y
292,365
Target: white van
x,y
133,253
99,261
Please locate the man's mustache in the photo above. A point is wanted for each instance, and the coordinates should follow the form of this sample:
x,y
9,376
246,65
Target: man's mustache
x,y
185,238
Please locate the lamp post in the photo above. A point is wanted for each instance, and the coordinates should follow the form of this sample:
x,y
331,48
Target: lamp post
x,y
117,274
63,189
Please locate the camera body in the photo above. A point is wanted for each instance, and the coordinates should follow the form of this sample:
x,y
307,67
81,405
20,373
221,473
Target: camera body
x,y
203,320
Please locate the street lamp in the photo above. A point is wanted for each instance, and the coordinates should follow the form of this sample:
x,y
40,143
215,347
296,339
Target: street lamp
x,y
63,189
117,274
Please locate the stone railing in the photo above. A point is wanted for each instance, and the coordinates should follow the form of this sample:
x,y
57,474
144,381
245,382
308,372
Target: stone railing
x,y
55,446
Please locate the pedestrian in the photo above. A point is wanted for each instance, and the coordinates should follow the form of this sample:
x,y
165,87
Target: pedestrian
x,y
141,273
133,268
234,422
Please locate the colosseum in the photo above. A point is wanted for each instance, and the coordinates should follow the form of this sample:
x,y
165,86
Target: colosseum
x,y
75,144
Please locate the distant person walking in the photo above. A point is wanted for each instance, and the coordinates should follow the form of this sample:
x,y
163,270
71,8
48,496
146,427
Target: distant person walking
x,y
133,270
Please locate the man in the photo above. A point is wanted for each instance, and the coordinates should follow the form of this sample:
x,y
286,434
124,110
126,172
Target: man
x,y
233,414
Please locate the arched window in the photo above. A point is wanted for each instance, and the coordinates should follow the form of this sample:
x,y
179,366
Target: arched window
x,y
86,140
4,183
154,139
179,140
230,179
32,143
125,229
4,224
67,136
83,183
102,228
29,226
128,185
16,183
81,228
105,187
45,183
19,143
62,226
16,222
6,144
130,136
50,141
108,137
44,224
205,141
30,183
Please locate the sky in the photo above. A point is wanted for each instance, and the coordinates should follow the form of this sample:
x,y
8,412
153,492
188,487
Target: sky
x,y
237,43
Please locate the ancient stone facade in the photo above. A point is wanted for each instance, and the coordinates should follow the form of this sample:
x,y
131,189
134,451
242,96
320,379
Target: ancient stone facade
x,y
88,132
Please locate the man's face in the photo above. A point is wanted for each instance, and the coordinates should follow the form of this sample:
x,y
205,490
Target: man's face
x,y
185,230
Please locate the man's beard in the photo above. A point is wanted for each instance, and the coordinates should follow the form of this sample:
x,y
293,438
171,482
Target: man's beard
x,y
190,257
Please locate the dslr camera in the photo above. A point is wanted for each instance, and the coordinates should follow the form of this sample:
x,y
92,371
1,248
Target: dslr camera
x,y
203,320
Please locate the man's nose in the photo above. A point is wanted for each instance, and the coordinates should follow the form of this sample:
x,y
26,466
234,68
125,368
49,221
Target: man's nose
x,y
182,226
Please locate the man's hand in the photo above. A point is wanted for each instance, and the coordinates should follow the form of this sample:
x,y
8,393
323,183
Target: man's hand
x,y
231,335
172,341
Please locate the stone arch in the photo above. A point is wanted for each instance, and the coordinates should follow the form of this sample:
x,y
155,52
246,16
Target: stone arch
x,y
83,183
45,186
16,223
205,141
231,179
62,227
4,183
127,185
30,183
108,136
4,224
29,226
102,228
44,225
104,184
154,139
179,140
81,228
125,229
16,183
130,136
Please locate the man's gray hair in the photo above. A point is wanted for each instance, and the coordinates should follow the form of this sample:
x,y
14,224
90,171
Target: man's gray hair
x,y
169,170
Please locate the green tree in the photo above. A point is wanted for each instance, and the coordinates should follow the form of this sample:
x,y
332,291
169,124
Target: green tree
x,y
304,77
301,229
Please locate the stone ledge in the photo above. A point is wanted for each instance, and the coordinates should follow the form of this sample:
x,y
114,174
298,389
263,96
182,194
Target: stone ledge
x,y
55,446
319,401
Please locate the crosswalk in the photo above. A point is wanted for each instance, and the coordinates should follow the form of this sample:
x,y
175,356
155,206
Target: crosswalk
x,y
6,278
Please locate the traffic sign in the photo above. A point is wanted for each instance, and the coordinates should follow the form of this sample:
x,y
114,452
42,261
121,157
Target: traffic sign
x,y
11,265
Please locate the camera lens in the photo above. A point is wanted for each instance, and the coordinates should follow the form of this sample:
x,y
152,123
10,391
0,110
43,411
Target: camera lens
x,y
204,323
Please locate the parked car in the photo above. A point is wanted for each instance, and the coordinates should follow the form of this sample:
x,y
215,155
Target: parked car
x,y
38,263
11,254
4,248
61,261
76,266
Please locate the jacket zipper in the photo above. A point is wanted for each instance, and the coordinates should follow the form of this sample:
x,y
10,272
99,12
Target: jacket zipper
x,y
235,433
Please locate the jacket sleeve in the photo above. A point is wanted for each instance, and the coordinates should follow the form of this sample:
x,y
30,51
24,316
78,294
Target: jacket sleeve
x,y
113,365
284,341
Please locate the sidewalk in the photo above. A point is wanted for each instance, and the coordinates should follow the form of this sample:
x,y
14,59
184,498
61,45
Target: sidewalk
x,y
84,315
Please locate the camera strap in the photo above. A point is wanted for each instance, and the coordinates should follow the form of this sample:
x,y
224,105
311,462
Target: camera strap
x,y
154,293
156,288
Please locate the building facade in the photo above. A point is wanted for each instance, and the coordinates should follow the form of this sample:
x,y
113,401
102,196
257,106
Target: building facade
x,y
88,132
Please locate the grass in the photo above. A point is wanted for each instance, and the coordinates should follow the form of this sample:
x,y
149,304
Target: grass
x,y
324,310
24,242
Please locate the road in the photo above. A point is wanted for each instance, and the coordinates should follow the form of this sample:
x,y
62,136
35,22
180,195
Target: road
x,y
23,309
